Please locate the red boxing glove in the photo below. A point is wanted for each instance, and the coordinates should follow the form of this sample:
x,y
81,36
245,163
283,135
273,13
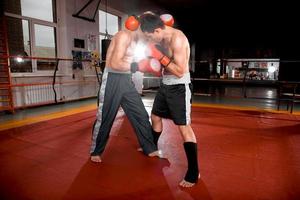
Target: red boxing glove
x,y
147,65
167,19
156,51
132,23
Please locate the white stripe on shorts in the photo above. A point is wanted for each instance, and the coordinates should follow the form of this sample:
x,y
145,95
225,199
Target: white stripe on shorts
x,y
188,96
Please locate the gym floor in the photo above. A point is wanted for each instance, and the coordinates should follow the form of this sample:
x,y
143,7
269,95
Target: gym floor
x,y
246,150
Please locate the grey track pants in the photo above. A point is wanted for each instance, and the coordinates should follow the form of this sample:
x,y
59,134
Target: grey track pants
x,y
117,89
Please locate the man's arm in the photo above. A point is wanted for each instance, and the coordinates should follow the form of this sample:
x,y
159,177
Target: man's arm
x,y
122,42
178,65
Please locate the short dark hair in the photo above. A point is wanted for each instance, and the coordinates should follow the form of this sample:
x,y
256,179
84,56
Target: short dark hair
x,y
150,22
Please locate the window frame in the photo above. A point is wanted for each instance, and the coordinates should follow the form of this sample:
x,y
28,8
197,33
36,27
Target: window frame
x,y
119,22
112,12
31,24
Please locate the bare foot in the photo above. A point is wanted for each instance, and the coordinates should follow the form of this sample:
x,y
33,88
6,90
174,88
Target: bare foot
x,y
96,159
157,153
185,183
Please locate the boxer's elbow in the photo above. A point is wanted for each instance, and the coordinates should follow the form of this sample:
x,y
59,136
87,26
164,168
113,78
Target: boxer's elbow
x,y
176,70
180,73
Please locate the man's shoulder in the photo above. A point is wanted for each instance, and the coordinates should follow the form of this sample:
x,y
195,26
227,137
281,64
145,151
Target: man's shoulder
x,y
179,36
123,34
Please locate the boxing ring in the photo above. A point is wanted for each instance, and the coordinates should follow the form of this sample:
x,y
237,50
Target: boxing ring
x,y
248,154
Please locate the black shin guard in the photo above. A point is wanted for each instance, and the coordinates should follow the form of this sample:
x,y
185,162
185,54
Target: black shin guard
x,y
155,136
192,158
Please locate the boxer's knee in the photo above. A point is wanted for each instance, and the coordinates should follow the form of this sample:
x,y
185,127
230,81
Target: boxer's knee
x,y
187,133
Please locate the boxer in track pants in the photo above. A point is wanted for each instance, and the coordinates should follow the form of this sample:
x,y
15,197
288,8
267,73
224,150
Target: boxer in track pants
x,y
117,89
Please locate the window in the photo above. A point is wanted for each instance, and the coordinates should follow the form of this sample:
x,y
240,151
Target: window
x,y
31,32
107,22
18,28
42,10
38,9
44,41
112,24
44,46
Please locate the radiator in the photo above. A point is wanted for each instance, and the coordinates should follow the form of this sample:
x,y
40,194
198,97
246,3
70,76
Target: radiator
x,y
40,94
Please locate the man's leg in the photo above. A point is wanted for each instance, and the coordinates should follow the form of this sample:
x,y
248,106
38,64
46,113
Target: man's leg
x,y
179,99
190,147
160,110
157,127
109,104
139,119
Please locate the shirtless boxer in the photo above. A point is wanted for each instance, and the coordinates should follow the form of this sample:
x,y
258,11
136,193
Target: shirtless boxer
x,y
117,89
173,99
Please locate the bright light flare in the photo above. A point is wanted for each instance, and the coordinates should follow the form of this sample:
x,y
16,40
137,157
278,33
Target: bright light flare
x,y
140,51
271,69
19,59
